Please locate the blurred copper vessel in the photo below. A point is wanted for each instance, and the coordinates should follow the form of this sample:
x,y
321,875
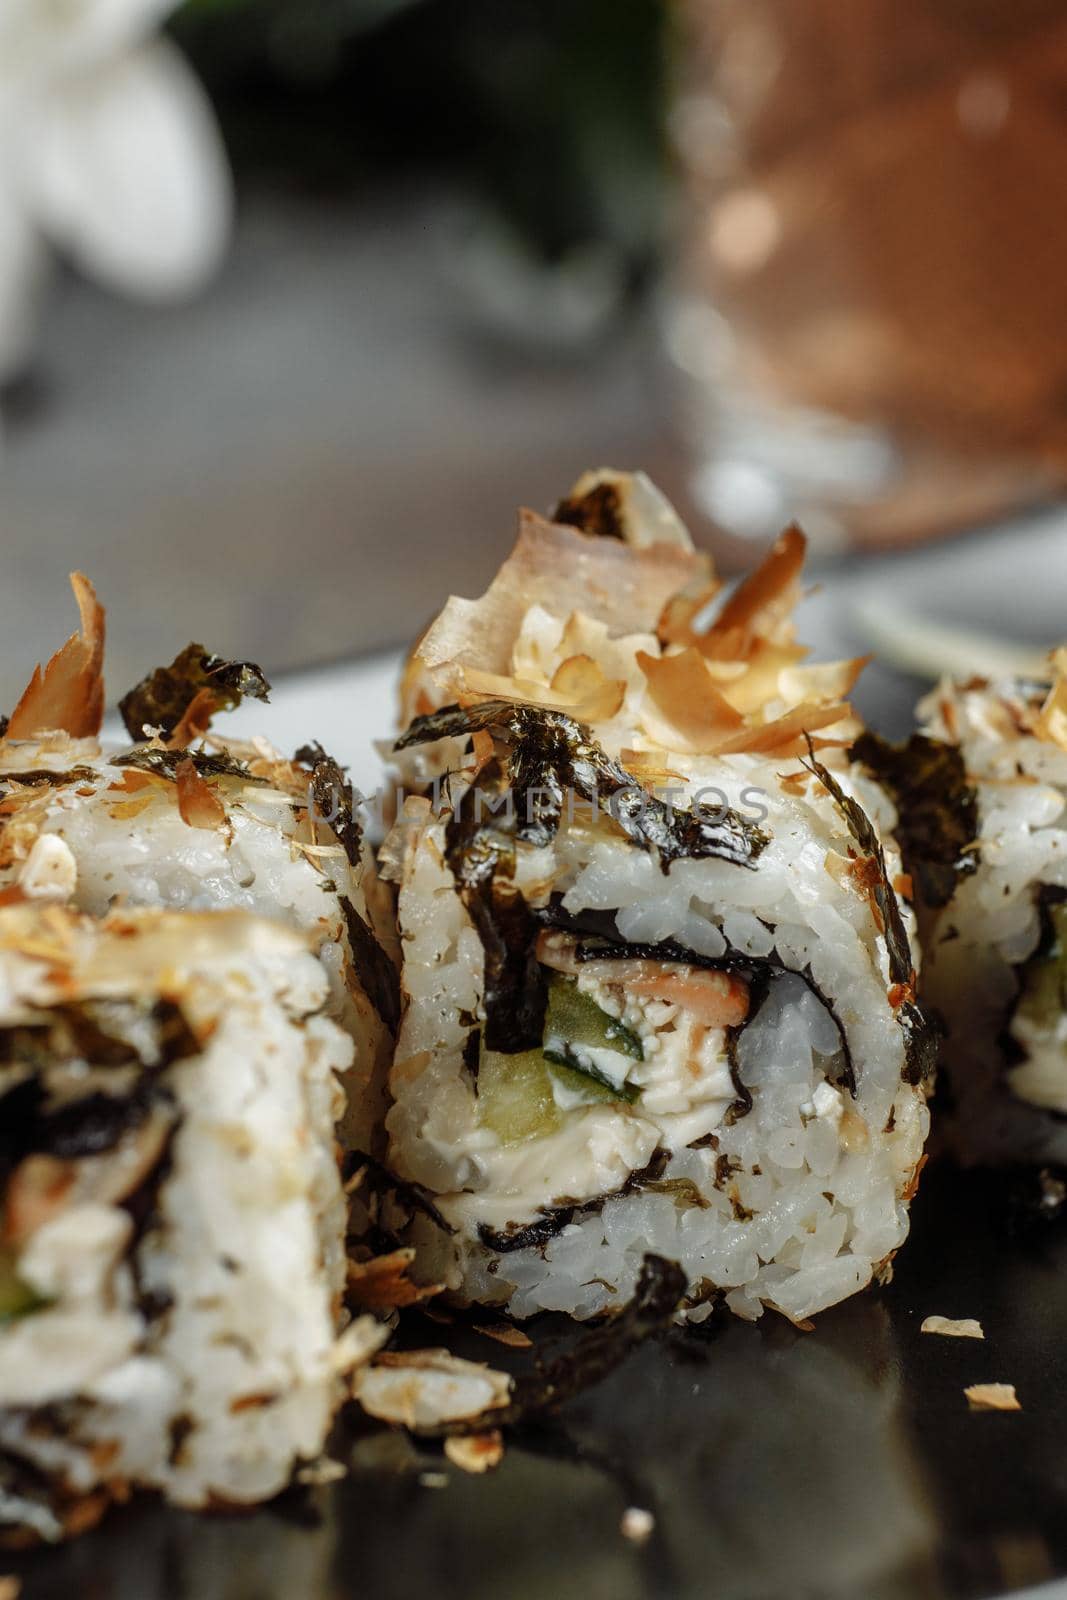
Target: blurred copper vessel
x,y
871,312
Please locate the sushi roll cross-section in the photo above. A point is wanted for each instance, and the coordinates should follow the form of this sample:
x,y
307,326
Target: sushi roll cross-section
x,y
171,1261
658,971
982,793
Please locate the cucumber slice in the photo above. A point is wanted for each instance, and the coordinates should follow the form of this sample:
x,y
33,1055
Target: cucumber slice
x,y
515,1099
17,1299
577,1019
1044,977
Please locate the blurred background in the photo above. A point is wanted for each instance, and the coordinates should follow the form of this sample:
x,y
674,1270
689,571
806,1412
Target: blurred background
x,y
299,299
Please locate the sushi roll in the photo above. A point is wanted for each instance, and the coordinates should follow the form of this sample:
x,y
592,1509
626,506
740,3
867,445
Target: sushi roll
x,y
174,816
658,978
982,791
171,1262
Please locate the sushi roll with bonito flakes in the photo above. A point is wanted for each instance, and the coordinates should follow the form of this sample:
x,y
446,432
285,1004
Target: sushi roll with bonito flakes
x,y
659,969
171,1257
174,816
984,788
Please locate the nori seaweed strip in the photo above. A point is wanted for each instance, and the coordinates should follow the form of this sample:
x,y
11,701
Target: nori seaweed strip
x,y
554,1219
334,802
334,799
598,940
920,1044
5,723
377,975
71,1035
162,698
408,1193
472,1054
937,809
660,1288
36,776
93,1125
552,757
598,512
165,763
482,860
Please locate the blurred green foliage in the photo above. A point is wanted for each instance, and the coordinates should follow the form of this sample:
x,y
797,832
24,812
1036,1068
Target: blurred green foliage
x,y
550,111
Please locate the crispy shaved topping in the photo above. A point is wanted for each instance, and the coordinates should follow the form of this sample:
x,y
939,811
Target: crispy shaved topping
x,y
696,717
69,693
198,804
620,585
760,605
1050,723
384,1282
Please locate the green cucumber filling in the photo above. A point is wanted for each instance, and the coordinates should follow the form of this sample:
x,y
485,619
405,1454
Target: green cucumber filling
x,y
17,1299
585,1057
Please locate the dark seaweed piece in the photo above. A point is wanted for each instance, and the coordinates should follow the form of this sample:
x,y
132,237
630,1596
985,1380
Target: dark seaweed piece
x,y
920,1042
553,760
34,776
554,1219
374,968
660,1288
162,698
599,940
97,1034
386,1182
334,799
5,723
92,1125
482,861
165,763
937,809
472,1054
598,511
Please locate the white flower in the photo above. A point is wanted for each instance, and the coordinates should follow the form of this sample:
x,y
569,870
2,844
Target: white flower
x,y
108,151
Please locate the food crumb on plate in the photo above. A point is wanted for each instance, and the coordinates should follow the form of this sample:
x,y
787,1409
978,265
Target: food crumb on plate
x,y
992,1397
953,1327
637,1524
505,1333
10,1588
316,1473
476,1452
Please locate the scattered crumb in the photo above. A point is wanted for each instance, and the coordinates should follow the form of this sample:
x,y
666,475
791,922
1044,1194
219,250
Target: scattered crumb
x,y
476,1452
382,1283
434,1480
505,1333
425,1388
953,1328
315,1473
637,1524
10,1588
992,1397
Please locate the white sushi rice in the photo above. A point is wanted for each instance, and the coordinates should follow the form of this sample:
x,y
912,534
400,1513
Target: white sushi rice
x,y
92,844
197,1352
815,1197
999,1111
